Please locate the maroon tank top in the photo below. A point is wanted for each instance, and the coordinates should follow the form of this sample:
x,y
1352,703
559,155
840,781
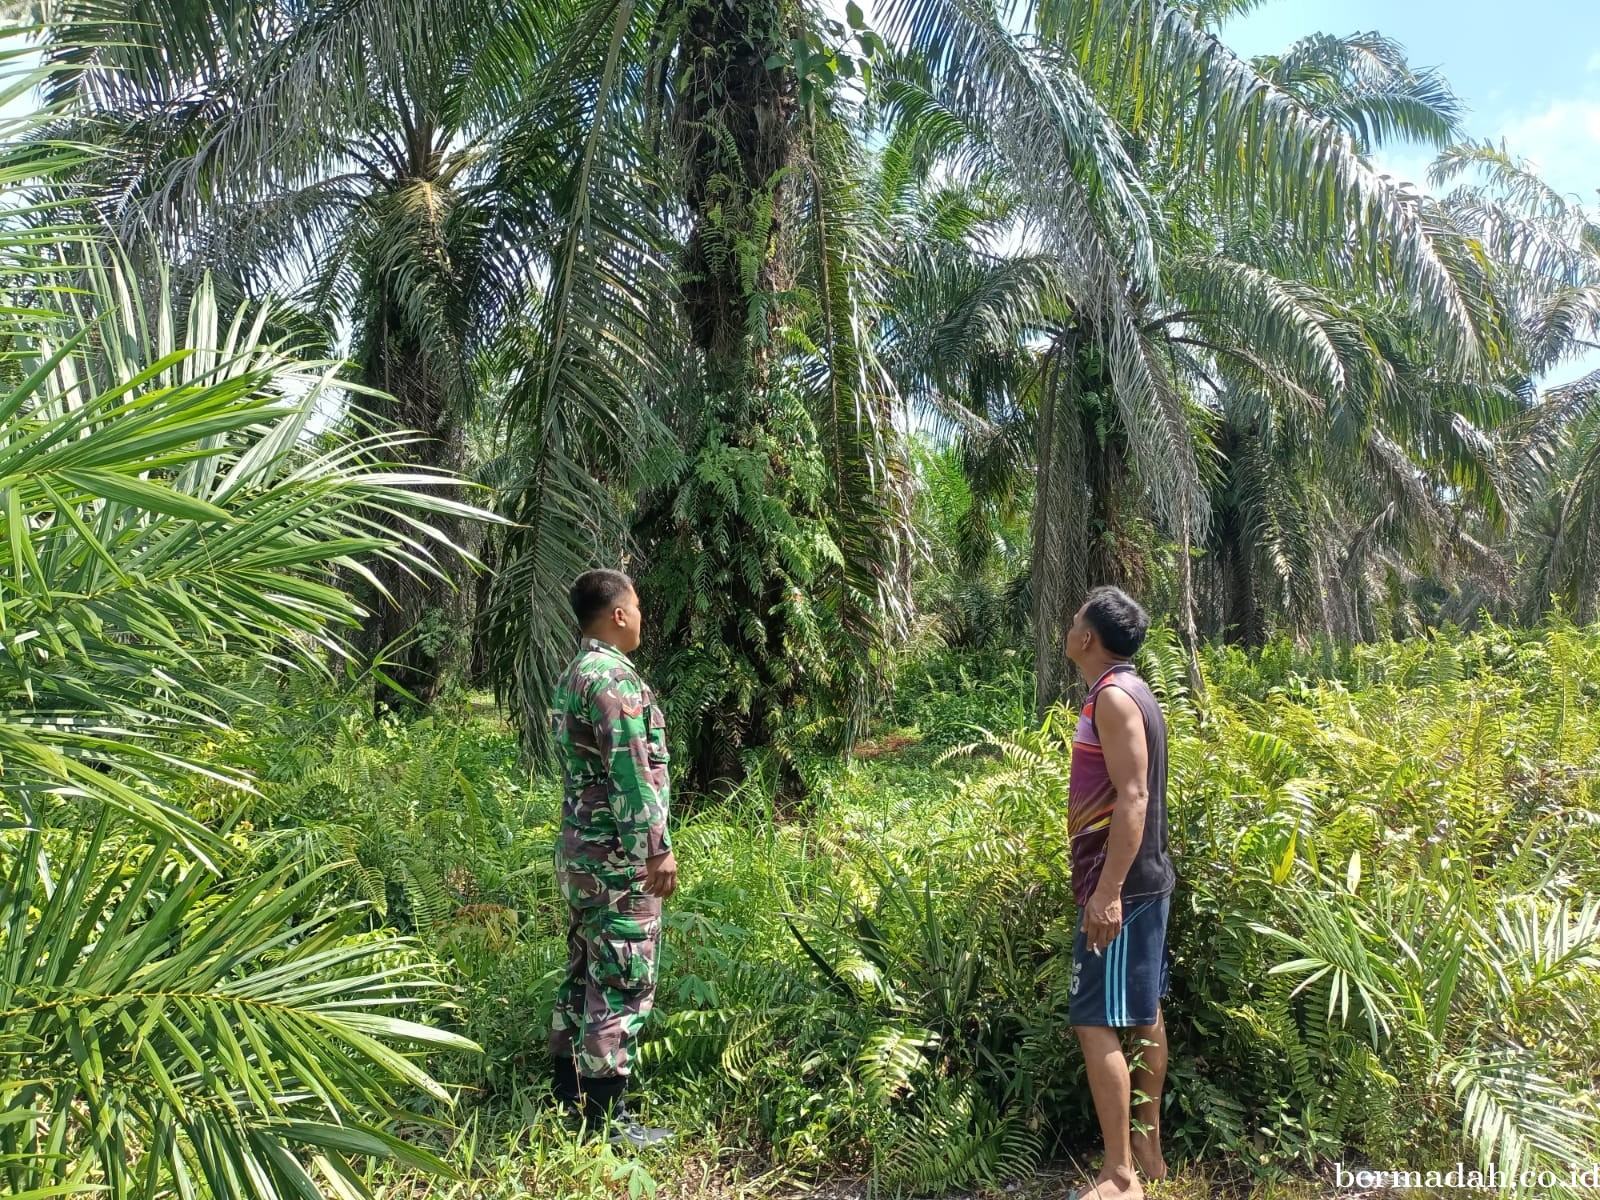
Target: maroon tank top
x,y
1091,797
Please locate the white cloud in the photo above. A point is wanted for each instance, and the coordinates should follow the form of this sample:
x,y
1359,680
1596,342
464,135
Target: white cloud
x,y
1404,164
1594,62
1563,140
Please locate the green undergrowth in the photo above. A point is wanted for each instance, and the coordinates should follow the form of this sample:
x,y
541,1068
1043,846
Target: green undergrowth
x,y
1385,935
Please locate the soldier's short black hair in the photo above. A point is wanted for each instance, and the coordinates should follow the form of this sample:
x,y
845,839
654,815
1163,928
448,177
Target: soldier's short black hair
x,y
1117,618
595,592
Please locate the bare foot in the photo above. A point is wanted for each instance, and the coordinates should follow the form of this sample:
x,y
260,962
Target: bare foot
x,y
1147,1154
1112,1184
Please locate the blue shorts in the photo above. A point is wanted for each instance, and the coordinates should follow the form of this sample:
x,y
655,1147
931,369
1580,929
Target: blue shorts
x,y
1124,984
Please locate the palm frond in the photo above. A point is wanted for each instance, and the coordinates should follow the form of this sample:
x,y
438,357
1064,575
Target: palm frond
x,y
225,1031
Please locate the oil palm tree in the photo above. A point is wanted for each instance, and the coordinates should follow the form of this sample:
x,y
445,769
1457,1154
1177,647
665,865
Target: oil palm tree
x,y
451,193
1198,271
409,174
774,546
1543,254
1081,104
766,517
173,524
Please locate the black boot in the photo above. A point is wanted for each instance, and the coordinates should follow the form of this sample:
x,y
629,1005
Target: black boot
x,y
564,1083
604,1103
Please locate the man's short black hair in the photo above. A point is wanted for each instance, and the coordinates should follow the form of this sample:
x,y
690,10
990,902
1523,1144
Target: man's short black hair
x,y
1118,619
595,592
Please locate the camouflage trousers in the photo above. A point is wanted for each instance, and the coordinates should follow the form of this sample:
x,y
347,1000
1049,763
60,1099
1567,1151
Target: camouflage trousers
x,y
610,982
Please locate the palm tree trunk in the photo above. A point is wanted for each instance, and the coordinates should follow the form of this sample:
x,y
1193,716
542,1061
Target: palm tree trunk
x,y
417,634
735,128
1083,535
1060,523
1243,623
1191,634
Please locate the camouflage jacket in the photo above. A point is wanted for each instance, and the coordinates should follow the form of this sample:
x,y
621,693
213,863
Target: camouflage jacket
x,y
612,741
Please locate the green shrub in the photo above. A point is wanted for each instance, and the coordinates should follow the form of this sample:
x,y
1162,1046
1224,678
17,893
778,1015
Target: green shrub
x,y
1381,936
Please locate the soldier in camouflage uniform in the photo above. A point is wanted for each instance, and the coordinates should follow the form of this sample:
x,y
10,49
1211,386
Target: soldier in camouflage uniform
x,y
614,858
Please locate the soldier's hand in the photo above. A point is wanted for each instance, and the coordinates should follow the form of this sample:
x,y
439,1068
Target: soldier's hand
x,y
661,875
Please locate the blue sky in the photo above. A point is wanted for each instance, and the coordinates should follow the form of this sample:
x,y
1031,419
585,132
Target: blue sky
x,y
1527,72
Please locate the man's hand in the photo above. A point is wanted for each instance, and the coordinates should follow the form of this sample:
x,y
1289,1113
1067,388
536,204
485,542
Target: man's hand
x,y
1102,920
661,875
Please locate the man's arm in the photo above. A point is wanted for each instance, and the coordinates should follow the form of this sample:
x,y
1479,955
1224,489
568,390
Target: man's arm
x,y
1121,727
639,788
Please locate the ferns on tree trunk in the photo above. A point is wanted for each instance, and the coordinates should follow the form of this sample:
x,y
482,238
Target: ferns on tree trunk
x,y
732,540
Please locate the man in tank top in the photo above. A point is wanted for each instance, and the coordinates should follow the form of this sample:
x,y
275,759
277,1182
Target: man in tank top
x,y
1122,881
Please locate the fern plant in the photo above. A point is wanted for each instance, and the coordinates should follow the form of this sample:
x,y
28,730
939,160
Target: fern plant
x,y
1363,874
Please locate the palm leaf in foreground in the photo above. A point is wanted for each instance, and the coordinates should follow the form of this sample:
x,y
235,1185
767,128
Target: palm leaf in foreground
x,y
172,523
166,510
167,1029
